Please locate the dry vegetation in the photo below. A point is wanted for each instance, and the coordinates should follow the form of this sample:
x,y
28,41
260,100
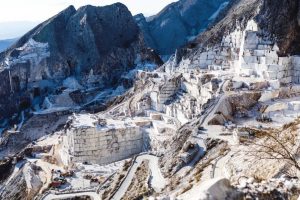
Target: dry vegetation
x,y
138,188
192,176
279,144
116,182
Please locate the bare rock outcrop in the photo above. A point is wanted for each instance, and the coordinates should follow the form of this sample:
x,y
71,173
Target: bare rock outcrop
x,y
233,104
25,184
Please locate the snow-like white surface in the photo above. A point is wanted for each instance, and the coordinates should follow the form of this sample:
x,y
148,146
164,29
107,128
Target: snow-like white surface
x,y
17,168
158,182
78,181
84,120
72,83
22,121
212,189
88,120
32,180
31,51
93,195
52,110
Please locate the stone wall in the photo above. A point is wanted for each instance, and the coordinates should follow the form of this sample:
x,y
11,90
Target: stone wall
x,y
296,69
104,145
167,90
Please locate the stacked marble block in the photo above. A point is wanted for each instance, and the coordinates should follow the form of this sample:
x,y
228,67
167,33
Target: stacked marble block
x,y
268,66
168,89
296,69
143,105
260,58
189,105
217,59
252,53
161,95
294,105
104,144
207,58
222,56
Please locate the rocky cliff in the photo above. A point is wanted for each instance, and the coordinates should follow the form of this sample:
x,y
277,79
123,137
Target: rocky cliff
x,y
178,23
96,45
278,20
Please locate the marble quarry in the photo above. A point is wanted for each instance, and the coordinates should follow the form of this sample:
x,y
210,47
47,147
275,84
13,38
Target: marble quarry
x,y
250,53
93,140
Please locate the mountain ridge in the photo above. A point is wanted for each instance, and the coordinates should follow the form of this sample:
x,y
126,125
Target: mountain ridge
x,y
94,44
177,23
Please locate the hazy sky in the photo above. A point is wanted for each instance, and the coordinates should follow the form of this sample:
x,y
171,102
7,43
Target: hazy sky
x,y
40,10
19,16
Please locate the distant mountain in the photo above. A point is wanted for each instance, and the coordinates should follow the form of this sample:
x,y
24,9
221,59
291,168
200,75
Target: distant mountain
x,y
179,23
4,44
15,29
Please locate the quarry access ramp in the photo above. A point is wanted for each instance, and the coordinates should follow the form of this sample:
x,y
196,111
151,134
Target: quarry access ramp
x,y
157,182
51,196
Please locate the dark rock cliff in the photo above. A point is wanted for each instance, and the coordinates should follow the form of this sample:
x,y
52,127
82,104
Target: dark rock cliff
x,y
177,23
96,45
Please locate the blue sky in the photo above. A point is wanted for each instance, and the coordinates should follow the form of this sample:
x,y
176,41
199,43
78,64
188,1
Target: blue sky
x,y
40,10
19,16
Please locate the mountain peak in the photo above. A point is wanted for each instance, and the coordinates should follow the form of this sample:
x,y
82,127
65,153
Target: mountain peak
x,y
178,23
76,43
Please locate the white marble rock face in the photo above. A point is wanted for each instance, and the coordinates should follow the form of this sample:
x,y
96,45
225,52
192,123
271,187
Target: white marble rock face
x,y
250,54
103,146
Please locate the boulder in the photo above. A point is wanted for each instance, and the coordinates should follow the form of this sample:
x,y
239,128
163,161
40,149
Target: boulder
x,y
218,188
259,85
268,95
236,103
237,84
218,119
276,107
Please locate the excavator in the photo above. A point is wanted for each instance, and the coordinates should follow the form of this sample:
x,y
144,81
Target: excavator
x,y
263,117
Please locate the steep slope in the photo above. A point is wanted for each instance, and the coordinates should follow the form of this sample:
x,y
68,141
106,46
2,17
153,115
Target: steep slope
x,y
278,19
96,45
178,23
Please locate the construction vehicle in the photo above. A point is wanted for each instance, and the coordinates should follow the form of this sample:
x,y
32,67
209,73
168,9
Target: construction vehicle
x,y
263,117
67,174
55,184
62,180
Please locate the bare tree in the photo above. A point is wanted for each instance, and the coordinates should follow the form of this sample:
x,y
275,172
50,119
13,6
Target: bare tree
x,y
279,144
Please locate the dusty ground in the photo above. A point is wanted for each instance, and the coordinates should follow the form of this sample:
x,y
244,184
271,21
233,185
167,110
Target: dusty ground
x,y
138,188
